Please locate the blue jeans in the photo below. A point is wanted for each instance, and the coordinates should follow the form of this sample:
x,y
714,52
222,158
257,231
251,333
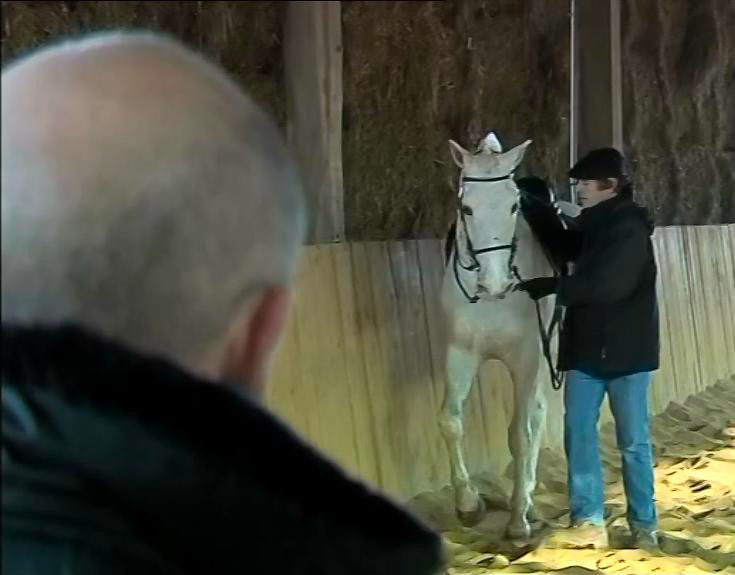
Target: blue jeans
x,y
583,395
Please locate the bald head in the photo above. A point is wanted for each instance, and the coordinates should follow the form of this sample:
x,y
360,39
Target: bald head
x,y
143,194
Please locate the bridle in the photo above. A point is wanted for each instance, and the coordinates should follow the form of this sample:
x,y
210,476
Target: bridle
x,y
475,265
557,378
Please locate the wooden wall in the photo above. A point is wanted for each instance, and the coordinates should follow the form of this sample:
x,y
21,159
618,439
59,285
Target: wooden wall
x,y
360,373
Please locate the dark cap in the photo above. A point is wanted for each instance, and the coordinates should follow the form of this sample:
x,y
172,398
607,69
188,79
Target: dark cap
x,y
599,164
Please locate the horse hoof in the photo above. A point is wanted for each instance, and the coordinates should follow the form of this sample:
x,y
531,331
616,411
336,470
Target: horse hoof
x,y
518,532
533,515
472,518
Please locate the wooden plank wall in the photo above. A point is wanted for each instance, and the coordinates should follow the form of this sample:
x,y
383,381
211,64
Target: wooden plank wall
x,y
360,373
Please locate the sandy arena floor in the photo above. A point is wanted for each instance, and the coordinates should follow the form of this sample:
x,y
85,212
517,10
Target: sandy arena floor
x,y
695,490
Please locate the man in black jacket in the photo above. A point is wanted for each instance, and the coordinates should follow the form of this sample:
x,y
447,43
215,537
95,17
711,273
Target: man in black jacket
x,y
609,344
151,219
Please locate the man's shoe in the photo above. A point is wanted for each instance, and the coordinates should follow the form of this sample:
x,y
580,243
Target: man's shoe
x,y
581,535
646,539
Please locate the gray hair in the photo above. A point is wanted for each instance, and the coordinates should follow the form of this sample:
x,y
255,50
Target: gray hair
x,y
143,194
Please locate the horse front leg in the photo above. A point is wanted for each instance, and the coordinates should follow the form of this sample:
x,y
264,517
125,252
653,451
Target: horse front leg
x,y
461,368
525,436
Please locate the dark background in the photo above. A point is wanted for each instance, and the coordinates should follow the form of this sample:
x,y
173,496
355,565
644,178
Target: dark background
x,y
419,73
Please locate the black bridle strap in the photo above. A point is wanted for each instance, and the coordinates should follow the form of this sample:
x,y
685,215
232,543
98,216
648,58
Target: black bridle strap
x,y
496,179
557,378
455,264
494,249
473,253
475,264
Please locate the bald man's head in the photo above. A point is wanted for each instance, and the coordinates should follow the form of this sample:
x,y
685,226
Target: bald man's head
x,y
143,195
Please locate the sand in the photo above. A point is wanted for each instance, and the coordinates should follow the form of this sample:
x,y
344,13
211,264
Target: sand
x,y
695,492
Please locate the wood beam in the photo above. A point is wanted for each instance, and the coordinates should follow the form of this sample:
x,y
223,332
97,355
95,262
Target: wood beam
x,y
597,90
313,74
616,75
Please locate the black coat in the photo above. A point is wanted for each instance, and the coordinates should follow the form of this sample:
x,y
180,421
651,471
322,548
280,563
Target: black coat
x,y
115,463
611,324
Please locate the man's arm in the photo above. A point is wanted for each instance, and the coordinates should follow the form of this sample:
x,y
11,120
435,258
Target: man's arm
x,y
569,235
616,271
570,240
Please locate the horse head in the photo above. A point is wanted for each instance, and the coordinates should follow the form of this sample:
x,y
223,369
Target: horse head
x,y
486,214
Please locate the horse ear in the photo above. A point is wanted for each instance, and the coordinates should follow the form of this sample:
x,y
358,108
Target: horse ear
x,y
516,154
458,153
491,144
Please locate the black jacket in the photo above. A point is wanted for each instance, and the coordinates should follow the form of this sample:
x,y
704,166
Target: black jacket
x,y
115,463
611,323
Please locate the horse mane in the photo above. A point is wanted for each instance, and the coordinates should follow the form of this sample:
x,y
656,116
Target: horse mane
x,y
538,209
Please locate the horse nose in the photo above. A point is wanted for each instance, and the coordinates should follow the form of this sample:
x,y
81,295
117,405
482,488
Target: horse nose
x,y
499,290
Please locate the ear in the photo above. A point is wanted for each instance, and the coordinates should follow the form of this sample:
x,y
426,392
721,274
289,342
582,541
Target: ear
x,y
491,144
253,340
516,154
614,182
458,153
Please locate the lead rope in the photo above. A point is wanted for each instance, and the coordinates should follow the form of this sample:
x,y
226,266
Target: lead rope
x,y
557,378
455,267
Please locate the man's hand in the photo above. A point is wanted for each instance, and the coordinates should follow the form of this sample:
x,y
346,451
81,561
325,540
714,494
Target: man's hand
x,y
537,288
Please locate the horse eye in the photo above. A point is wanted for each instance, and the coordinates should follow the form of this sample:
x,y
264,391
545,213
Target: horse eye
x,y
467,211
514,209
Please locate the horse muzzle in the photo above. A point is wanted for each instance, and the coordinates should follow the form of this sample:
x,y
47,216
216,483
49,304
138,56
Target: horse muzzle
x,y
486,293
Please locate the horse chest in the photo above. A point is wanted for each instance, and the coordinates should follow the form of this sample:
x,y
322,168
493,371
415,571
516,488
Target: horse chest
x,y
487,327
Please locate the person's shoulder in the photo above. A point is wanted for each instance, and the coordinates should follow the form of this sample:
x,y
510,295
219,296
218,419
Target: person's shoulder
x,y
631,217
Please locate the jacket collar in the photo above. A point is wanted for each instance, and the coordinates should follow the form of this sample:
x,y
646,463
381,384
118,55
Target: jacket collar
x,y
245,486
597,213
220,427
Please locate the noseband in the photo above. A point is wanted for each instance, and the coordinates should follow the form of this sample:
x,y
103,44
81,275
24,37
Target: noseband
x,y
475,265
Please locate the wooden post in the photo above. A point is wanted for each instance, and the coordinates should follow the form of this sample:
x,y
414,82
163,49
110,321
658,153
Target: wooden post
x,y
596,75
616,75
573,92
313,70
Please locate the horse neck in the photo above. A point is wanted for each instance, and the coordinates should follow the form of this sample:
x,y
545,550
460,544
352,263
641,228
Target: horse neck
x,y
530,257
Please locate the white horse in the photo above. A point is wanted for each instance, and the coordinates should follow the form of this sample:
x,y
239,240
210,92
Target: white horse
x,y
487,319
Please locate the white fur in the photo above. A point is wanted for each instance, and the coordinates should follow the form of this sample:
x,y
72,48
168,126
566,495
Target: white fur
x,y
503,329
